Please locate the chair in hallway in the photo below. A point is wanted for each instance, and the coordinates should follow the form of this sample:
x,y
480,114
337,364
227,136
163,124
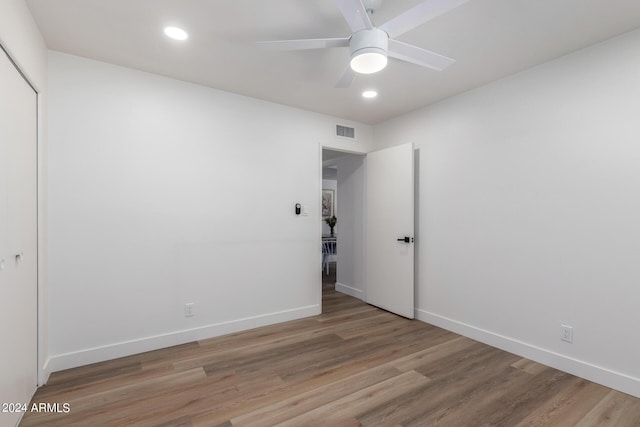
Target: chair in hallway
x,y
328,249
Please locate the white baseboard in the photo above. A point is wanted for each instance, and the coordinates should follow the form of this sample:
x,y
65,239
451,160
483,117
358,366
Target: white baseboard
x,y
597,374
112,351
44,372
351,291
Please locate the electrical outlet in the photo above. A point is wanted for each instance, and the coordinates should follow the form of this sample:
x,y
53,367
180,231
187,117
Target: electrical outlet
x,y
188,309
566,333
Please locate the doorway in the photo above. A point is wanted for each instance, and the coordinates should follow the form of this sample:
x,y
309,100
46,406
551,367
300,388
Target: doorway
x,y
375,226
343,174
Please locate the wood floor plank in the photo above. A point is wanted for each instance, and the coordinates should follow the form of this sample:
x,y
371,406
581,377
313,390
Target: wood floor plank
x,y
615,409
432,354
444,394
529,366
380,323
306,402
127,394
80,387
568,407
310,382
100,372
353,365
351,406
271,358
356,312
502,400
251,345
268,340
376,357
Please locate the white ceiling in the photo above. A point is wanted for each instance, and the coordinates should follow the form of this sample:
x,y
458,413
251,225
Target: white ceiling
x,y
488,38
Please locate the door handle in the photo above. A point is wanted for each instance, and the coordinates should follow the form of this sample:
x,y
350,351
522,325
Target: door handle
x,y
19,257
406,239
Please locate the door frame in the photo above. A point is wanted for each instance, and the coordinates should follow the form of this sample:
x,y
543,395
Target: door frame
x,y
416,188
360,153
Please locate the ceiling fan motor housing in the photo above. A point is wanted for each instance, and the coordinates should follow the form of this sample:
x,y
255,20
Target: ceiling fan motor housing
x,y
369,50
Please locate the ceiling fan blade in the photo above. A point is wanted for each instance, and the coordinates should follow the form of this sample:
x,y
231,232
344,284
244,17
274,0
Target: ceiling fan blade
x,y
346,78
418,15
416,55
355,14
304,44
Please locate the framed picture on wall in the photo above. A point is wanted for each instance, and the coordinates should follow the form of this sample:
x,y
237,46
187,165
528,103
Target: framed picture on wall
x,y
327,203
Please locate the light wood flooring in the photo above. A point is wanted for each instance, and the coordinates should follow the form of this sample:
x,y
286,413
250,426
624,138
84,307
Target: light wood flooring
x,y
354,365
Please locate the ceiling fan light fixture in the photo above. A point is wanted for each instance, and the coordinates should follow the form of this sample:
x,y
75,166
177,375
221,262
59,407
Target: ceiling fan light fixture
x,y
368,61
369,51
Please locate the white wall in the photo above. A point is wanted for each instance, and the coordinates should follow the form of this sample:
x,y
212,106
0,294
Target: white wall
x,y
164,193
21,38
529,211
350,195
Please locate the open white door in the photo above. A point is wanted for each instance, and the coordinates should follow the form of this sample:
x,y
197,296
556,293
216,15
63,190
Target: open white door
x,y
389,229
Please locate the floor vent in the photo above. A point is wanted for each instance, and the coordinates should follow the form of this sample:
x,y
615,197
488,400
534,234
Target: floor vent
x,y
345,132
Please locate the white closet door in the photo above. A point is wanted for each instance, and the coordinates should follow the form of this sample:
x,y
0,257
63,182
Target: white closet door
x,y
18,236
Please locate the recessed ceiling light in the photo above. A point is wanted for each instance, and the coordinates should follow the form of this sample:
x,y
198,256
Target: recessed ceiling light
x,y
369,94
176,33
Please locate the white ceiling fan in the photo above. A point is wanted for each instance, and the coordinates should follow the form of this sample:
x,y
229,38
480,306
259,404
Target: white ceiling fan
x,y
370,46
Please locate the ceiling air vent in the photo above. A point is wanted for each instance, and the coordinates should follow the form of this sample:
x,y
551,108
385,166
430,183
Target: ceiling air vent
x,y
345,132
